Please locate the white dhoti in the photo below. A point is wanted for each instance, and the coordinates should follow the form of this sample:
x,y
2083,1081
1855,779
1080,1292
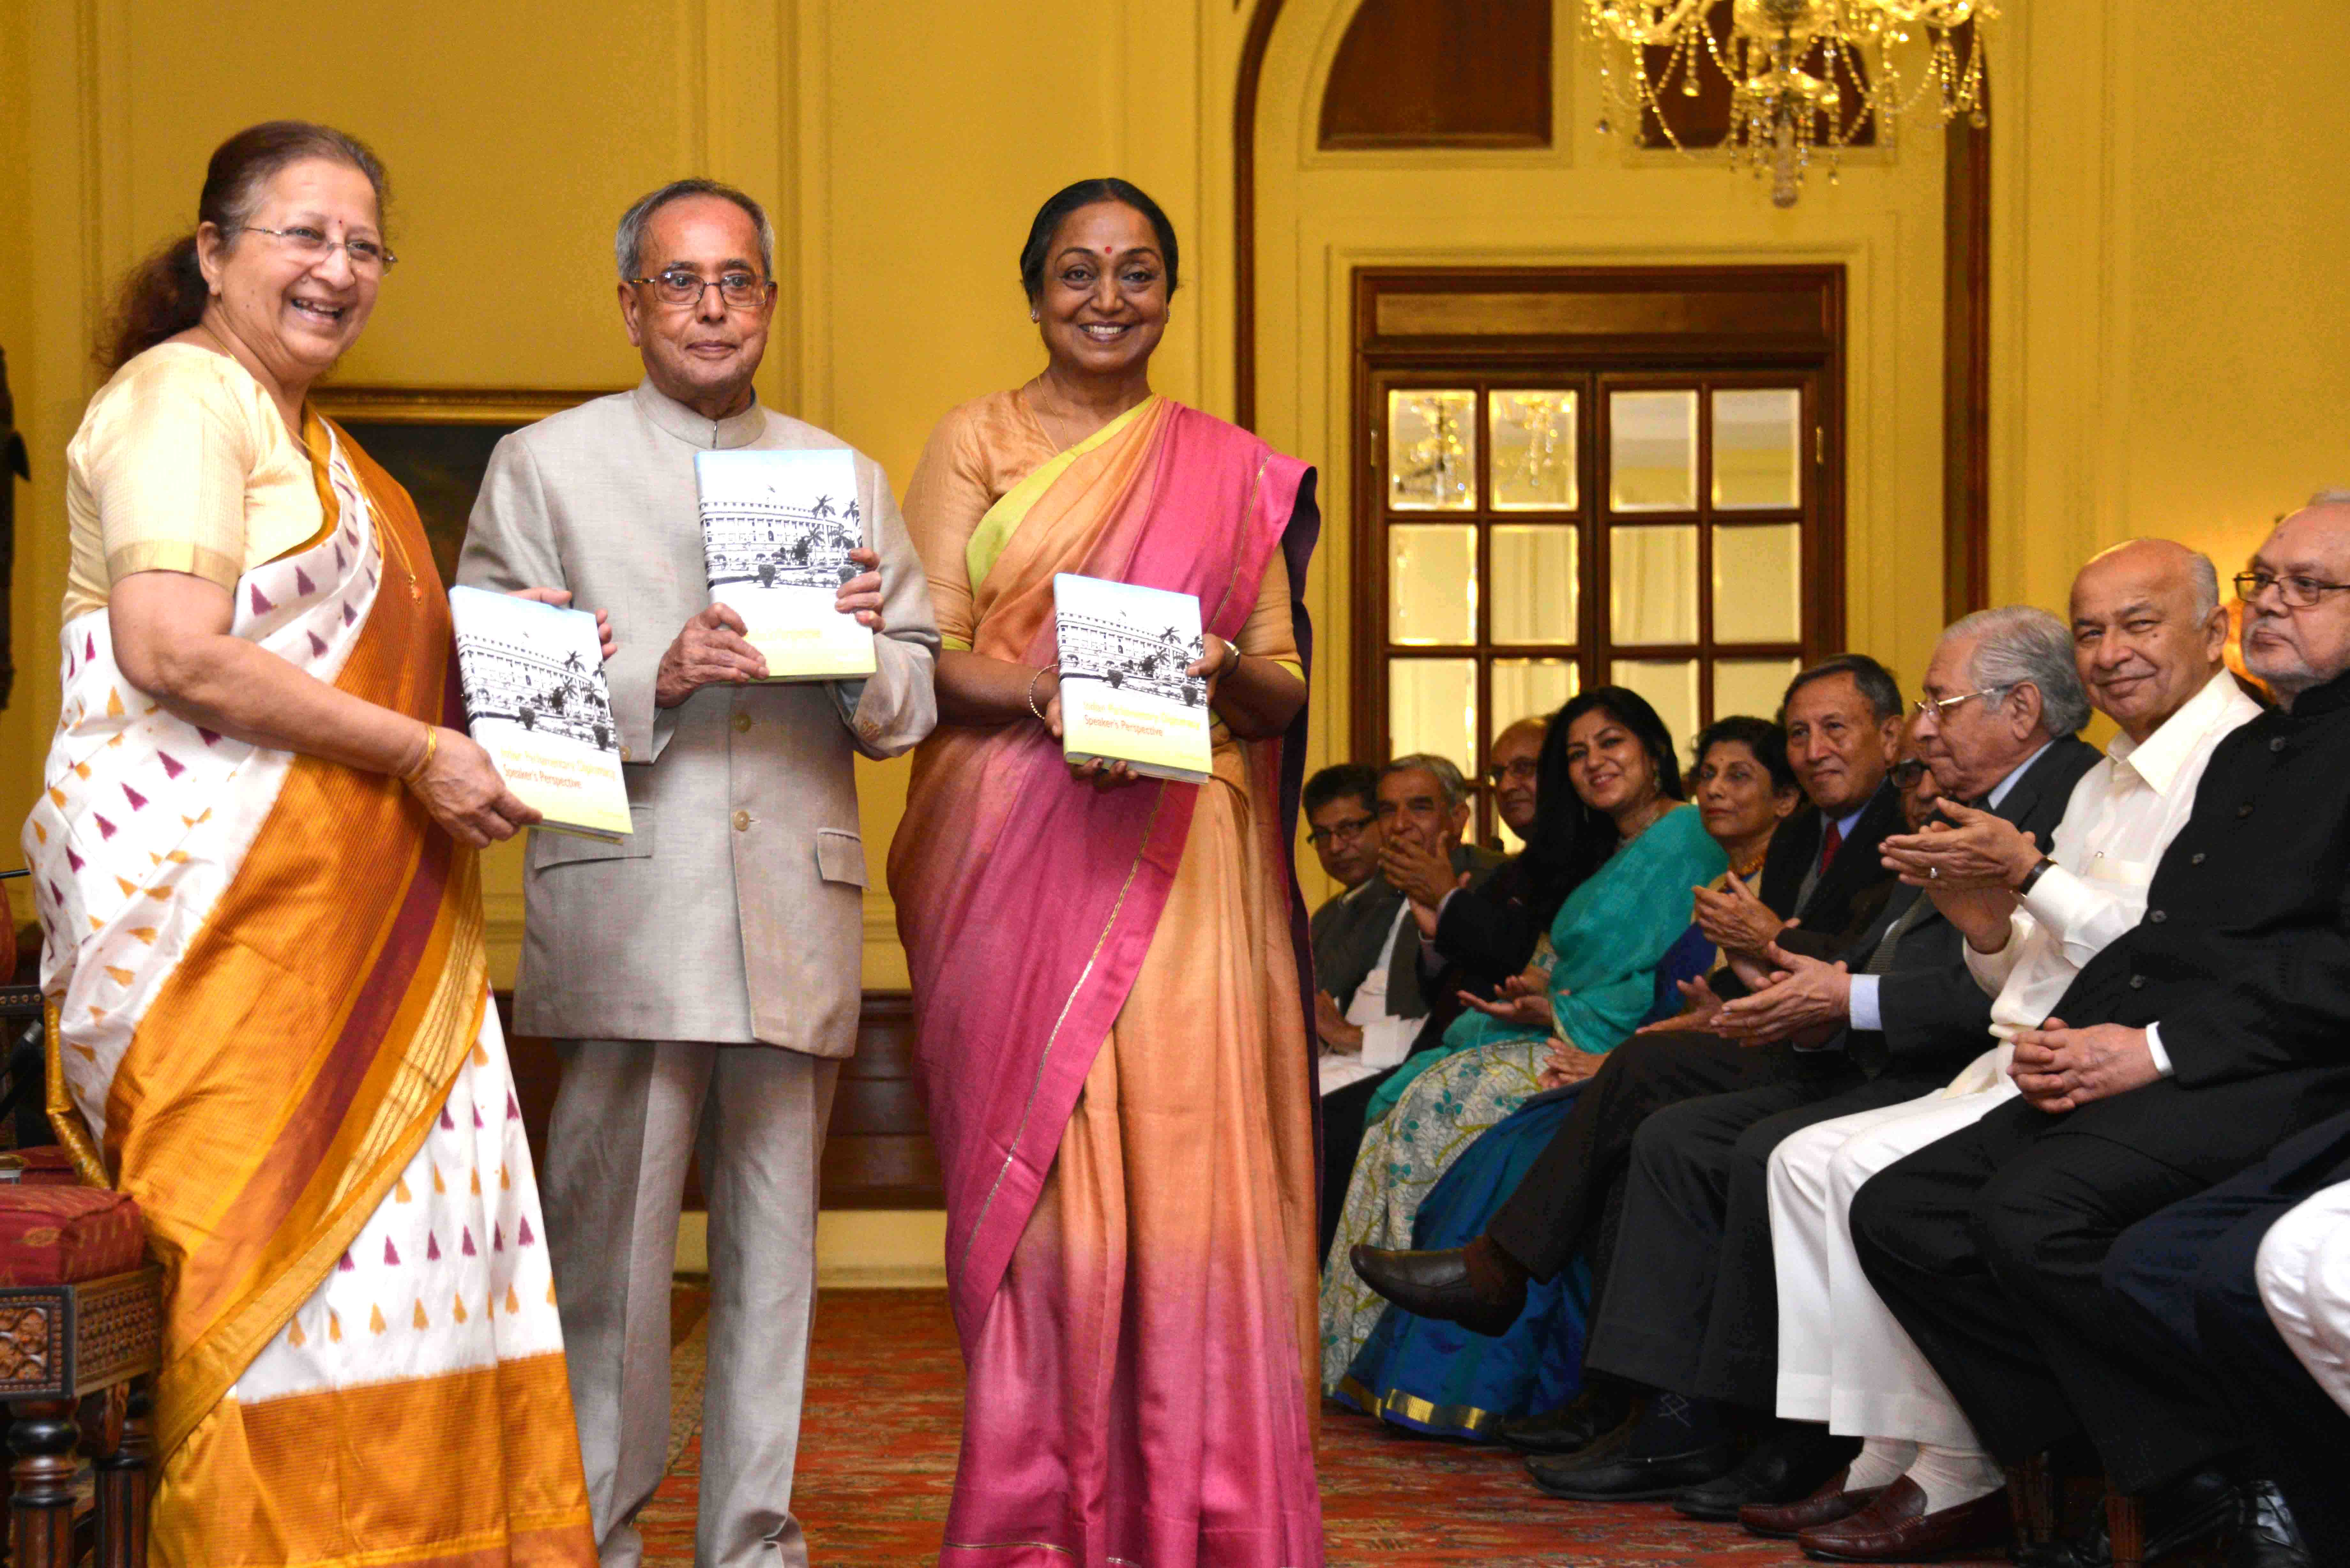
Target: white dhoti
x,y
2305,1277
1844,1358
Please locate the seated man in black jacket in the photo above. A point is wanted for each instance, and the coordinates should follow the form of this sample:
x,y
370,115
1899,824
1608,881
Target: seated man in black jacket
x,y
2186,1050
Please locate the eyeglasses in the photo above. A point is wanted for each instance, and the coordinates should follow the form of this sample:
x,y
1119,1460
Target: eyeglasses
x,y
1351,828
2297,592
682,290
370,257
1905,775
1523,769
1937,708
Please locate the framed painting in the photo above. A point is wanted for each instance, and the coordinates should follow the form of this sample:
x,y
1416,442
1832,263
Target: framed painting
x,y
436,440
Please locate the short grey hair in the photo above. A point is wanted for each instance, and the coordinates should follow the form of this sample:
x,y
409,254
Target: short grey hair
x,y
1455,787
2022,644
2330,498
628,242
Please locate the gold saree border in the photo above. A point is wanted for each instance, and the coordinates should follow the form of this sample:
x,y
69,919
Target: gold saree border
x,y
248,1483
1469,1418
1011,508
345,877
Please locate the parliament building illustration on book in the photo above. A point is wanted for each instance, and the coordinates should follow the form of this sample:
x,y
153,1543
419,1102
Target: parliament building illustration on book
x,y
506,678
1130,657
771,544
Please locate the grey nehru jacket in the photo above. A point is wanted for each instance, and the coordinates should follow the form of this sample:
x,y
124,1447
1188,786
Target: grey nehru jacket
x,y
734,914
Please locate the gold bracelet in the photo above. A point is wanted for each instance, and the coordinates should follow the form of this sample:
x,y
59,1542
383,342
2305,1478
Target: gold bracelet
x,y
1043,670
431,744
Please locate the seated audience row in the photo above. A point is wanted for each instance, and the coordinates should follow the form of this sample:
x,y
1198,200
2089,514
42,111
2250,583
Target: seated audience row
x,y
2015,1121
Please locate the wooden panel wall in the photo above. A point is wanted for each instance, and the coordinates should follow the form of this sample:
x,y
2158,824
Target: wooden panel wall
x,y
1442,73
878,1154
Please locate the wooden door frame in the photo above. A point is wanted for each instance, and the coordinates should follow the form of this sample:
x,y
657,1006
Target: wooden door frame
x,y
1966,315
1799,315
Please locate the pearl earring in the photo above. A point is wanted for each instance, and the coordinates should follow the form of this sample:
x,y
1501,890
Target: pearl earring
x,y
1033,316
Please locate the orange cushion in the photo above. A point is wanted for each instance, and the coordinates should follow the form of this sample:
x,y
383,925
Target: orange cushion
x,y
59,1235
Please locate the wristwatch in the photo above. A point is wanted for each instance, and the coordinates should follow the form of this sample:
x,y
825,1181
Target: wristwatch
x,y
2023,887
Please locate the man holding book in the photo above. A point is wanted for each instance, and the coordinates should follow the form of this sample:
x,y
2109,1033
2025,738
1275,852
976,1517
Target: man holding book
x,y
702,974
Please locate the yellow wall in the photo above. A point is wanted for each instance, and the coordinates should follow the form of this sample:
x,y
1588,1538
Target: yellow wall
x,y
2172,287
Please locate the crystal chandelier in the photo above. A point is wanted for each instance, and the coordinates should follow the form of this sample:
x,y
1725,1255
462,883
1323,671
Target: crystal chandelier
x,y
1781,113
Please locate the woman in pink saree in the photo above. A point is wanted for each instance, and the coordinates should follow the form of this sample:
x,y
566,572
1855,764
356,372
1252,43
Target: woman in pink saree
x,y
1112,1014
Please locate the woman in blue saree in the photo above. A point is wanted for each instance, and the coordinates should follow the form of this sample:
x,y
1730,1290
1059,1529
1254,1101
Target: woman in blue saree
x,y
1438,1378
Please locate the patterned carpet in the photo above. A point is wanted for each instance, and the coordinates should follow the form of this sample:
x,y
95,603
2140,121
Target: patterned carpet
x,y
878,1454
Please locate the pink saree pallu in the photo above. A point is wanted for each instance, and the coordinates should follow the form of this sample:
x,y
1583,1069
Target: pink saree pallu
x,y
1110,998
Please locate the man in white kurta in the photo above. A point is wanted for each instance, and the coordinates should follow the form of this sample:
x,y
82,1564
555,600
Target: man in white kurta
x,y
2148,637
701,977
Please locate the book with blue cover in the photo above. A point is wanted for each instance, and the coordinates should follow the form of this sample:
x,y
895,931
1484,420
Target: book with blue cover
x,y
777,530
1124,693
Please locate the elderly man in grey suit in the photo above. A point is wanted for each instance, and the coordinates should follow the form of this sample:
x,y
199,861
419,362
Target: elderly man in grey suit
x,y
701,976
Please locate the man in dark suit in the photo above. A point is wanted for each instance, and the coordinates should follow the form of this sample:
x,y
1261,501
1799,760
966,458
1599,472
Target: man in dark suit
x,y
1843,721
2187,1050
1692,1306
1342,823
1422,805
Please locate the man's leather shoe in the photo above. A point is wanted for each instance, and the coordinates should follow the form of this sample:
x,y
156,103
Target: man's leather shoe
x,y
1572,1428
1790,1463
1785,1521
1437,1284
1895,1528
2204,1505
2267,1539
1616,1476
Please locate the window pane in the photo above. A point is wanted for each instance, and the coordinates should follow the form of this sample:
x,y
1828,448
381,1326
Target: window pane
x,y
1758,583
1433,582
1758,448
1531,688
1432,452
1432,707
1534,450
1652,447
1670,687
1751,685
1534,583
1652,584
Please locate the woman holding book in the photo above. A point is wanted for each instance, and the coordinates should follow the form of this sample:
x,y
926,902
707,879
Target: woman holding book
x,y
1107,970
265,956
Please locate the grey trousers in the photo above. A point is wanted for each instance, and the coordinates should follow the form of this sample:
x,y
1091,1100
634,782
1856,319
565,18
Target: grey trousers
x,y
628,1116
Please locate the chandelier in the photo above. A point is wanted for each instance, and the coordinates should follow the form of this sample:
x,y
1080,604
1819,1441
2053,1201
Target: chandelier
x,y
1781,113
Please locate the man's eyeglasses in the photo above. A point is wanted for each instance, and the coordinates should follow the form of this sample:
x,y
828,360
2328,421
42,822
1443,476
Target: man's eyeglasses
x,y
682,290
1905,775
1341,832
1939,708
1523,770
371,258
2297,592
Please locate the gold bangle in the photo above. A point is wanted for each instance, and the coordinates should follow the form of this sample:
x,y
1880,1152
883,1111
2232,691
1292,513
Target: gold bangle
x,y
1042,670
431,744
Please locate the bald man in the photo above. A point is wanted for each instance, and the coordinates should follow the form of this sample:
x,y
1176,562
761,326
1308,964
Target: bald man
x,y
2191,1048
2149,633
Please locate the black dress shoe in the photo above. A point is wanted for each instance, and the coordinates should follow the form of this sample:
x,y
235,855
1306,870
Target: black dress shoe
x,y
1572,1428
1789,1464
1437,1284
1619,1477
2266,1538
2202,1506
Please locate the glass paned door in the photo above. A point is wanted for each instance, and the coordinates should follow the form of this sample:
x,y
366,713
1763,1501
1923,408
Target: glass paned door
x,y
1535,534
